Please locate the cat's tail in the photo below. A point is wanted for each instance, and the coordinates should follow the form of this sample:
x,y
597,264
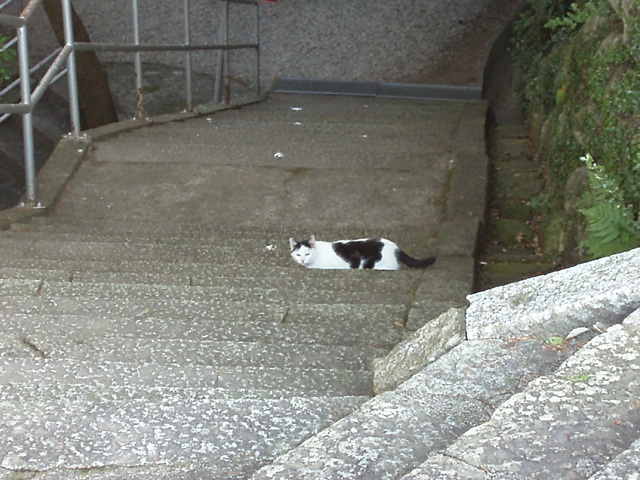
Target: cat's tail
x,y
414,262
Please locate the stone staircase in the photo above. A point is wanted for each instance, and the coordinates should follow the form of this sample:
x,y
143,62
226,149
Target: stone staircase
x,y
154,325
536,391
188,349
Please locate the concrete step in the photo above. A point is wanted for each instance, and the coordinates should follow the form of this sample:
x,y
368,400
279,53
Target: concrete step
x,y
212,295
516,334
167,350
76,434
361,316
214,249
281,144
343,109
396,431
175,230
251,329
292,278
229,381
569,424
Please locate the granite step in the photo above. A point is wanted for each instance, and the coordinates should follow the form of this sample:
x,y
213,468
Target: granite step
x,y
77,434
569,424
517,335
340,109
168,350
272,295
360,316
44,374
335,333
177,230
305,282
279,144
397,430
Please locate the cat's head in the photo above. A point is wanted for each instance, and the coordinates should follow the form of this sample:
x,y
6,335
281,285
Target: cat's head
x,y
304,253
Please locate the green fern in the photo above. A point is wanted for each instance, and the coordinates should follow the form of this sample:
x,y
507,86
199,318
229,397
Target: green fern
x,y
611,225
7,59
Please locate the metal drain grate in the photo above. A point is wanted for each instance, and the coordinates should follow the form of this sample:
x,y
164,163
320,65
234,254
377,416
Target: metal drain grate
x,y
377,89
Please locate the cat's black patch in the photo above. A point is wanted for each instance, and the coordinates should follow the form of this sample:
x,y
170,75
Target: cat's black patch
x,y
303,243
360,252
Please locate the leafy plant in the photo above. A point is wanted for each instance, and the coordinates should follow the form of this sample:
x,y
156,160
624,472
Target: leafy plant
x,y
7,58
576,16
612,226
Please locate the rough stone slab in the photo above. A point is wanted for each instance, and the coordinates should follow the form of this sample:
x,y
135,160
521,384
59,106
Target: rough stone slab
x,y
443,467
212,295
204,329
458,237
168,350
420,349
396,431
420,315
552,304
146,308
438,284
75,434
625,466
38,372
568,424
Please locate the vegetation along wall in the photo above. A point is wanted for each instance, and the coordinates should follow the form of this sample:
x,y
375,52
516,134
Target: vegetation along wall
x,y
579,72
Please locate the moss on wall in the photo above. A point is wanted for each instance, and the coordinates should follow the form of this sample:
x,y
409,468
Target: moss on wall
x,y
579,66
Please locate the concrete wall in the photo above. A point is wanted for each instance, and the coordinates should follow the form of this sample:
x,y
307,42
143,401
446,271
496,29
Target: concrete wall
x,y
390,40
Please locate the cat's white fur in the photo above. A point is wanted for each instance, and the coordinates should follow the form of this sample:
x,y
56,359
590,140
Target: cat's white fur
x,y
322,255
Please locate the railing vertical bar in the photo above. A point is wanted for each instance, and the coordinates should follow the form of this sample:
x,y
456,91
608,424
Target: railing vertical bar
x,y
137,60
72,78
221,53
27,118
188,71
257,41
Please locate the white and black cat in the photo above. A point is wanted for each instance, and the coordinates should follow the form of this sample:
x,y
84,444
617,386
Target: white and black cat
x,y
374,253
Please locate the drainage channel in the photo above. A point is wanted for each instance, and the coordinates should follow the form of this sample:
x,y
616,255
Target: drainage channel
x,y
377,89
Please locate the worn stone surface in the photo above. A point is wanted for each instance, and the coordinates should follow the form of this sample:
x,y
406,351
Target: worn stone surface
x,y
568,424
551,304
396,431
421,348
154,324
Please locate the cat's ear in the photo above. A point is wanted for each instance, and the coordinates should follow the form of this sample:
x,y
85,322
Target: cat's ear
x,y
292,243
312,241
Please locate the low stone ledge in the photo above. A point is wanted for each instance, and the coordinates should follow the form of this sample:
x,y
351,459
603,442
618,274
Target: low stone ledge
x,y
420,349
554,304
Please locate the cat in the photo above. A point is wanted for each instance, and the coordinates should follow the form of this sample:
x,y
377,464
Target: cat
x,y
371,253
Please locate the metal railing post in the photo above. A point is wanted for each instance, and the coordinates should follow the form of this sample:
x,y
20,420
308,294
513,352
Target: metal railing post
x,y
72,77
222,54
257,42
188,67
27,118
137,61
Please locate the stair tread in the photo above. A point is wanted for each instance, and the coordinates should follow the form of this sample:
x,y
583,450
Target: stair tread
x,y
575,419
170,350
261,329
423,415
39,372
83,434
215,295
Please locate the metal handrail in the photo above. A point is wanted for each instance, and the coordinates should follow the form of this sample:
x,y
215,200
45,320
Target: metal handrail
x,y
63,61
